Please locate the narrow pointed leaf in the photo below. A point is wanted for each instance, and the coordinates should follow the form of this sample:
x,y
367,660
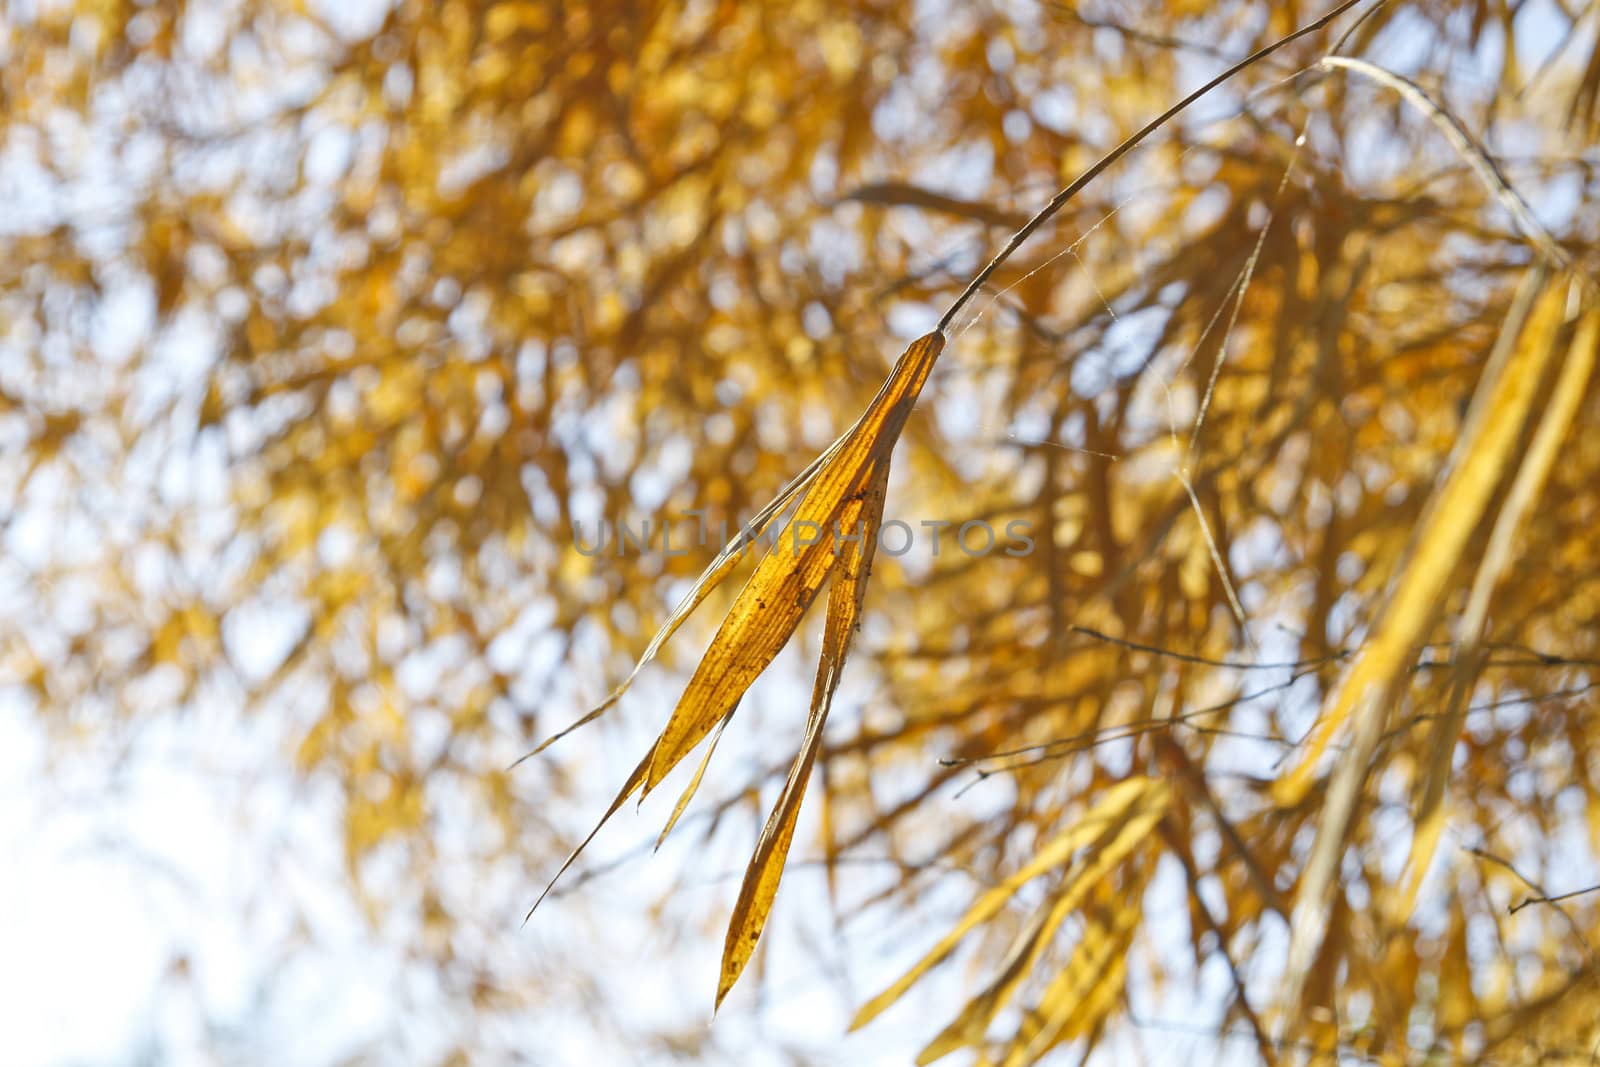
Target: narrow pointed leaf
x,y
635,779
1081,993
765,613
969,1027
1452,515
1535,468
694,783
726,560
860,519
1495,424
1111,811
751,635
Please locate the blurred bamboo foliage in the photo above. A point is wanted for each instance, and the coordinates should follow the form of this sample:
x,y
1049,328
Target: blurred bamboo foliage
x,y
333,321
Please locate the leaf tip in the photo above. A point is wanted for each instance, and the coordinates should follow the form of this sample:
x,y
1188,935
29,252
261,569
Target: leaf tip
x,y
868,1012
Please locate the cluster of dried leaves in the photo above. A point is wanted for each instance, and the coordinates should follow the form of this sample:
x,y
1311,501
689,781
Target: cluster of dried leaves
x,y
1297,397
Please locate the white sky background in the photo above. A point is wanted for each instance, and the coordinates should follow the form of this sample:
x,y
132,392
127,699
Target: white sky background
x,y
153,873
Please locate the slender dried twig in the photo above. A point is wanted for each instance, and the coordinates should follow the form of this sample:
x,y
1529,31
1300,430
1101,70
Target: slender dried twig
x,y
1061,199
1542,896
1481,162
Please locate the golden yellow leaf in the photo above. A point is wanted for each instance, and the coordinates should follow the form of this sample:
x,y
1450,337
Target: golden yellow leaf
x,y
968,1027
859,519
724,563
765,613
767,610
628,789
1554,424
1120,839
1115,809
1081,993
1457,1005
1452,515
694,783
1494,425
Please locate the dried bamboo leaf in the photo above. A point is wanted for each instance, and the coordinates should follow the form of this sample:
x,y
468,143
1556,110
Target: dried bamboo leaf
x,y
767,610
635,779
1554,423
863,515
1082,992
969,1027
726,560
694,783
1112,810
1453,512
765,613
